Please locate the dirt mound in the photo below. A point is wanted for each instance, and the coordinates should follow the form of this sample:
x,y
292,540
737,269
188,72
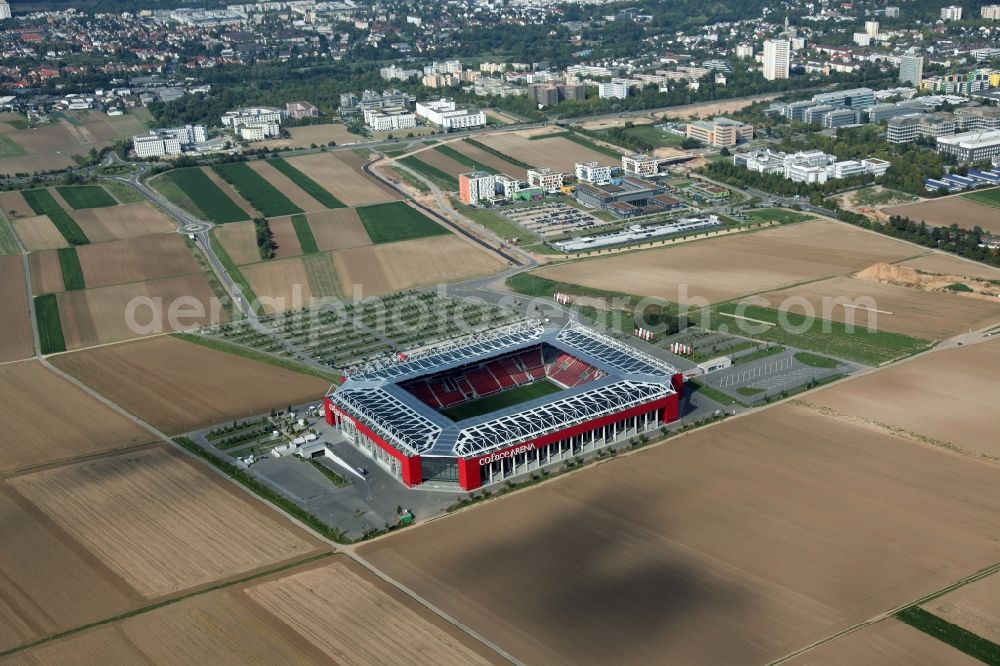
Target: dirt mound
x,y
907,276
883,272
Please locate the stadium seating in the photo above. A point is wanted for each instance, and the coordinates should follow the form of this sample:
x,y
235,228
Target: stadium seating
x,y
483,381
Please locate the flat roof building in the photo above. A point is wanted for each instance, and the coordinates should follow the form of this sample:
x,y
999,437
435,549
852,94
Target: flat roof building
x,y
720,132
971,146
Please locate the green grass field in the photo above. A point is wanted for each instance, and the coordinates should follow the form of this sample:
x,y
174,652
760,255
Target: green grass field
x,y
448,151
308,185
492,403
961,639
816,361
305,234
395,221
781,215
8,241
10,149
657,137
49,326
72,272
431,173
253,187
870,348
499,225
869,197
122,192
587,143
42,202
206,195
19,123
989,197
86,196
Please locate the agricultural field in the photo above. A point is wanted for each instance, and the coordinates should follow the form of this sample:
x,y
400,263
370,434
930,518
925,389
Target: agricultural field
x,y
340,174
29,393
8,239
43,203
307,184
215,205
135,260
486,159
86,196
441,161
990,197
889,642
14,204
240,241
179,386
941,397
124,221
557,152
380,269
285,237
98,316
309,135
735,544
423,168
959,209
943,263
50,334
16,341
160,521
974,607
46,273
397,221
38,233
727,267
280,284
935,315
256,189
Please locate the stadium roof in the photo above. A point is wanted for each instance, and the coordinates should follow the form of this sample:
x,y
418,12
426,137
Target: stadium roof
x,y
372,394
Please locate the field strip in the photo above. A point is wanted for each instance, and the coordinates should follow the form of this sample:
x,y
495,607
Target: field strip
x,y
756,321
982,573
169,602
862,307
432,608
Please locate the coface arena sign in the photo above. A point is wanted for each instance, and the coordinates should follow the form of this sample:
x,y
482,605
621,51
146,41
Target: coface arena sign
x,y
509,453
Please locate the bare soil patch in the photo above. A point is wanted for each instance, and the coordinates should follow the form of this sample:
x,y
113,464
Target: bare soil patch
x,y
887,643
340,174
338,229
160,521
934,315
136,259
557,153
48,582
944,396
442,162
46,273
285,237
280,284
14,205
726,267
239,239
389,267
944,264
347,612
734,544
974,607
125,221
286,186
947,211
488,160
321,135
179,386
16,340
29,397
99,316
38,233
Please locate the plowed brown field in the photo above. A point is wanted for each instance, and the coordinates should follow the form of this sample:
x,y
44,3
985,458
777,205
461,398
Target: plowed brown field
x,y
46,273
135,260
340,174
280,284
16,341
38,233
338,229
124,221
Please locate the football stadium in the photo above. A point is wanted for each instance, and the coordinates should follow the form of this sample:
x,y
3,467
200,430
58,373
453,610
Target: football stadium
x,y
494,405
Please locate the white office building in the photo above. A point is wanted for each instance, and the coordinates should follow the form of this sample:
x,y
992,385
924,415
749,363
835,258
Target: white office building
x,y
547,179
390,120
776,59
254,115
155,145
617,89
593,173
444,114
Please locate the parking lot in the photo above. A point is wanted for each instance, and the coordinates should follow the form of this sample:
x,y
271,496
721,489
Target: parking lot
x,y
553,219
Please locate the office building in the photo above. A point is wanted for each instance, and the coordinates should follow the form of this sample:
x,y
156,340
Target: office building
x,y
855,98
444,114
720,132
390,120
617,89
971,146
476,186
776,59
546,179
593,173
990,12
951,13
911,69
298,110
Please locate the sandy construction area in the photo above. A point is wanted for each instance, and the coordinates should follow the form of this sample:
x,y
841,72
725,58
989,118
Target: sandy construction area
x,y
231,192
29,397
699,110
340,174
488,160
136,259
975,607
727,267
46,273
280,284
38,233
125,221
160,521
16,340
946,264
98,316
736,544
14,205
556,152
945,395
933,315
347,612
285,237
888,643
48,582
286,186
338,229
239,239
380,269
951,210
321,135
180,386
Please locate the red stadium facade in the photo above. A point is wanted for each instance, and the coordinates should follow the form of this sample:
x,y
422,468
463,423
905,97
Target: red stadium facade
x,y
608,393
